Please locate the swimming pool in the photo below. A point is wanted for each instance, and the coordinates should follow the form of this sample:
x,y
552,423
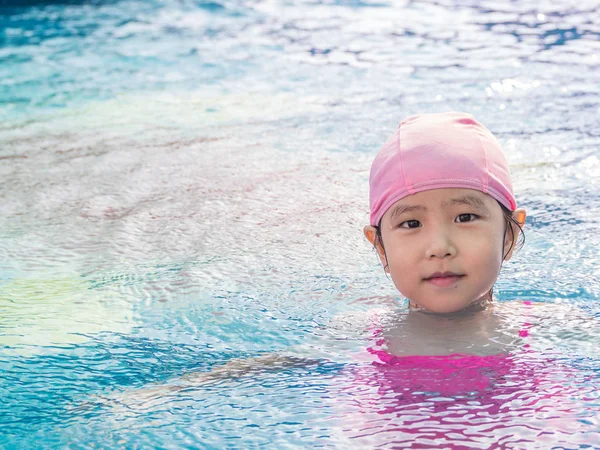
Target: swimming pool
x,y
184,184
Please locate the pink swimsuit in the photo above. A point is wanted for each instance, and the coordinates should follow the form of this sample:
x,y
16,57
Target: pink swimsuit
x,y
460,400
449,375
489,379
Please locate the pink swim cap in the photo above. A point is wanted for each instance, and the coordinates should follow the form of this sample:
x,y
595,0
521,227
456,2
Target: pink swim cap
x,y
433,151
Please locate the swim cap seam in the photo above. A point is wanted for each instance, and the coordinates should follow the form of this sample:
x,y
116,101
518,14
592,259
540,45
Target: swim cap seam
x,y
469,181
401,158
486,186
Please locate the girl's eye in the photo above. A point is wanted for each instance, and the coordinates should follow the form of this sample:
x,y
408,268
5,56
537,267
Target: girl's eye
x,y
410,224
461,218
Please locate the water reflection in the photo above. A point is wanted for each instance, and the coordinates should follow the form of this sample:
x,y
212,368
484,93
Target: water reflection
x,y
184,185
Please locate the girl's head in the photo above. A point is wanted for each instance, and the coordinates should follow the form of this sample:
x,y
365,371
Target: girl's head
x,y
443,215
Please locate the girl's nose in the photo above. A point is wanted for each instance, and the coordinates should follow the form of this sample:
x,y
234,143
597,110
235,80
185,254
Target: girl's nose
x,y
440,246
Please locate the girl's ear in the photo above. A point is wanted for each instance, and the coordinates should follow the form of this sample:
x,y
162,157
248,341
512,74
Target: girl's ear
x,y
371,235
511,239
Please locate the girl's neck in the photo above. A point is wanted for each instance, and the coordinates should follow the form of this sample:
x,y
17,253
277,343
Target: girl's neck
x,y
482,304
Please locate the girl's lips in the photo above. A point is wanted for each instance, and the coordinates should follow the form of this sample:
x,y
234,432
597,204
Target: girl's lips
x,y
444,280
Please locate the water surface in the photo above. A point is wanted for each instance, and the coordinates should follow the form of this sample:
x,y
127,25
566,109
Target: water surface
x,y
184,184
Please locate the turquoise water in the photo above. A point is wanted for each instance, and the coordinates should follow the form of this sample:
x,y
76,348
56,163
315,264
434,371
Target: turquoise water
x,y
184,184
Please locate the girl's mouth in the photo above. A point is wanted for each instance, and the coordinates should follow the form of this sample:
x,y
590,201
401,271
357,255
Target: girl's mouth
x,y
444,279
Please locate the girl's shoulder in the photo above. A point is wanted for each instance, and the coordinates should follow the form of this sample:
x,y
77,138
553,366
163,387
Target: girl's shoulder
x,y
541,310
555,327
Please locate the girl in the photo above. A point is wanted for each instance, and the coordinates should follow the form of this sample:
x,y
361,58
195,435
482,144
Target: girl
x,y
443,220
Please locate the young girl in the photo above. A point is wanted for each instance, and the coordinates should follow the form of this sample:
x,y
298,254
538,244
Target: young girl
x,y
443,221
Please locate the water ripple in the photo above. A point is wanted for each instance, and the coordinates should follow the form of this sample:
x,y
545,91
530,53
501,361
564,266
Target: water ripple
x,y
183,190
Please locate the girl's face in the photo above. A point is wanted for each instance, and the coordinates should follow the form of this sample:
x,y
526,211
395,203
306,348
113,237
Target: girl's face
x,y
444,248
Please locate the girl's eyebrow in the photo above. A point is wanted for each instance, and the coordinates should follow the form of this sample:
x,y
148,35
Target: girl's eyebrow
x,y
401,209
470,200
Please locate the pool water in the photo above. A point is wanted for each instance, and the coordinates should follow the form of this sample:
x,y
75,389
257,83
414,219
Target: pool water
x,y
184,186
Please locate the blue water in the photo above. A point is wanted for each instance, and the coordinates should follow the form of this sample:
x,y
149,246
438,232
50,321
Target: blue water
x,y
184,184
